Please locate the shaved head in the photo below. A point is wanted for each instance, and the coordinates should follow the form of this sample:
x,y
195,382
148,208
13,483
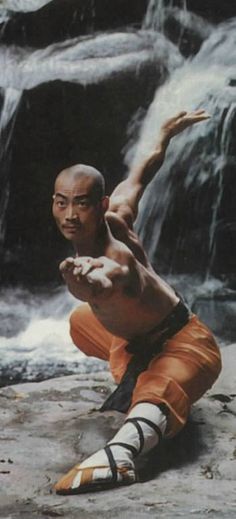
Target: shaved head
x,y
91,175
79,204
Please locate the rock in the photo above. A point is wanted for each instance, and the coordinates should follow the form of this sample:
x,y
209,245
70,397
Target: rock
x,y
185,29
57,21
218,311
49,426
213,10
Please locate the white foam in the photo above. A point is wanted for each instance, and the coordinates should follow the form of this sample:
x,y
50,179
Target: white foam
x,y
44,327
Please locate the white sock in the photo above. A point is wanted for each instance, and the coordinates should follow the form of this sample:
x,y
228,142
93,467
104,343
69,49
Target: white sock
x,y
137,436
142,429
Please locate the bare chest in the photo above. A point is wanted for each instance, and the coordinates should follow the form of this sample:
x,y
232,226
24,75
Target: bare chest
x,y
127,316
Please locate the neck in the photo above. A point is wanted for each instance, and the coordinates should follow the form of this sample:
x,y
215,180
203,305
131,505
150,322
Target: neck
x,y
95,245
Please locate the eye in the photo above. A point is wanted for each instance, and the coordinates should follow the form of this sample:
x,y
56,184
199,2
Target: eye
x,y
83,202
61,204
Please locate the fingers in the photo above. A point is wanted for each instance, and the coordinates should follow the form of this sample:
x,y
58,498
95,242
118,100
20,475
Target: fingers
x,y
181,121
82,269
198,115
187,119
172,121
200,111
191,117
98,278
202,114
82,266
194,113
66,265
79,268
181,114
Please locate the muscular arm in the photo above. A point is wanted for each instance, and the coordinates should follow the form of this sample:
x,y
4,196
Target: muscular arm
x,y
125,198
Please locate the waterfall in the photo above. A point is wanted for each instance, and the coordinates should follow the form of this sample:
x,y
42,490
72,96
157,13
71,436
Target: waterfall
x,y
10,101
206,82
84,60
186,29
155,15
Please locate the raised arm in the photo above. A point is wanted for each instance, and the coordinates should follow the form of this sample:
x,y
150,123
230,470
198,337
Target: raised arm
x,y
125,197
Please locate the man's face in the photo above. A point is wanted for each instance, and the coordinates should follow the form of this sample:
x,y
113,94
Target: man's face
x,y
77,214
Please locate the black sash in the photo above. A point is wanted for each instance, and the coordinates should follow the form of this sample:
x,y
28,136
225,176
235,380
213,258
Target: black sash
x,y
144,349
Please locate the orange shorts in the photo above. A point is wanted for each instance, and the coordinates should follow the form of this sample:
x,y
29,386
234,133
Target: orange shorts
x,y
187,366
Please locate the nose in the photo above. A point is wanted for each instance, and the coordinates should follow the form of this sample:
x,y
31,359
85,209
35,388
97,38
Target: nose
x,y
71,213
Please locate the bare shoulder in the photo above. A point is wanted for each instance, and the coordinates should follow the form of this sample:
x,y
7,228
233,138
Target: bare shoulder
x,y
125,233
120,219
118,251
124,200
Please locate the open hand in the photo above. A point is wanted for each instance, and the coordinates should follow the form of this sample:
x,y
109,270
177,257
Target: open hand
x,y
181,121
88,277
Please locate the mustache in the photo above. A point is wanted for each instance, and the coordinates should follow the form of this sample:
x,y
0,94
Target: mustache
x,y
72,225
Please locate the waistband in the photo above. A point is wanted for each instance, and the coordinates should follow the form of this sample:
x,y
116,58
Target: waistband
x,y
168,327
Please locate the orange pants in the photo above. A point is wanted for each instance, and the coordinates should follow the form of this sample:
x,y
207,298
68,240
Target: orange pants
x,y
187,366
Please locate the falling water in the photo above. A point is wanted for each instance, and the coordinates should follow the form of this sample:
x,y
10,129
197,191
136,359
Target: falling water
x,y
196,163
225,152
203,82
155,15
11,98
84,60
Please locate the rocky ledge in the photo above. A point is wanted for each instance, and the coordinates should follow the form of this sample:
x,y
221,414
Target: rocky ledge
x,y
49,426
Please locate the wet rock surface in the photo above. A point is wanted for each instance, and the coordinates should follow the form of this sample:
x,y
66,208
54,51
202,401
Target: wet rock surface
x,y
56,21
212,9
186,29
48,427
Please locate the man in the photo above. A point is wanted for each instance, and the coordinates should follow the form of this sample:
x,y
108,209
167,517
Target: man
x,y
162,356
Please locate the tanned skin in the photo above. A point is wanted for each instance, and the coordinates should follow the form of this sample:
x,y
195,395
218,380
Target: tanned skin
x,y
111,270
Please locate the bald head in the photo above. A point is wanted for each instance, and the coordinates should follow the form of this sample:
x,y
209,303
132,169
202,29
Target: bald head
x,y
79,204
90,175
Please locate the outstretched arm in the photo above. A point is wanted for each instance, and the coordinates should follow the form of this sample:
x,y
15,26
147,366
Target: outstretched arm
x,y
125,198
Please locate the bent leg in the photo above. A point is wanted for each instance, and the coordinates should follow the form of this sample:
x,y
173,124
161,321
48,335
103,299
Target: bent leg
x,y
145,424
187,367
88,334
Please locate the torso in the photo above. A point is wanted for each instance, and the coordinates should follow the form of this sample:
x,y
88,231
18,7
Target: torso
x,y
142,304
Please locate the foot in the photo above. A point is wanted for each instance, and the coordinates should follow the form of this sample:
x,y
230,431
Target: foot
x,y
105,469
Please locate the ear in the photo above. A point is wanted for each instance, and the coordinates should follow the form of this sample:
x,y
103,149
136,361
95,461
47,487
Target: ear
x,y
105,203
